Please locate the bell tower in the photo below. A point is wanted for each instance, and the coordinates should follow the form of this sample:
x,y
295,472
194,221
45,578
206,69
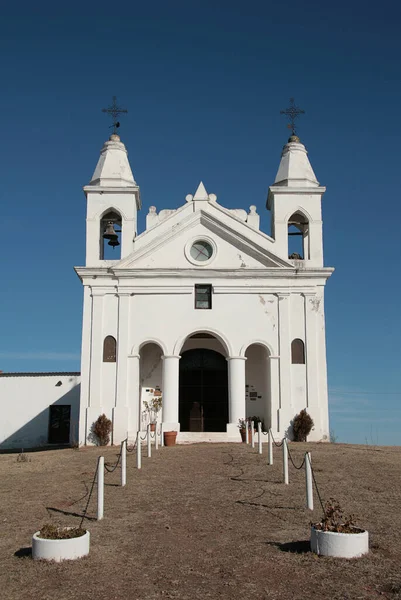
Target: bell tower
x,y
295,202
113,200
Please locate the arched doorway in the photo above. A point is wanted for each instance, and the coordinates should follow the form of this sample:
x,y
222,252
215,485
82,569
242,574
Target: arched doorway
x,y
203,393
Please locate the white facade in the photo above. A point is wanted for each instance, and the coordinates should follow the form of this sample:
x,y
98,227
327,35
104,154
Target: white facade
x,y
261,301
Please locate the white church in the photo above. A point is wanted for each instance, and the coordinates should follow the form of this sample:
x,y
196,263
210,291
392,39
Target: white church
x,y
203,308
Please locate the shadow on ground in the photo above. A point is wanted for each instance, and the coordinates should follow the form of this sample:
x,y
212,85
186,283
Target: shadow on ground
x,y
298,547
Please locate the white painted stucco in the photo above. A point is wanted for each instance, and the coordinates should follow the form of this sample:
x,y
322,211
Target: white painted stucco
x,y
26,399
261,301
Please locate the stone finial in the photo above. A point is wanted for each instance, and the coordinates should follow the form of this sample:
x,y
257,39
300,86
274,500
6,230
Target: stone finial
x,y
189,197
253,219
152,217
201,193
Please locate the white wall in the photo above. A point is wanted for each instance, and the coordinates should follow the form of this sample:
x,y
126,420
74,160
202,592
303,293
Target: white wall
x,y
25,402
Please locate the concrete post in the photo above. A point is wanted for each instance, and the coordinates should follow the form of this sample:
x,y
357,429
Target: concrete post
x,y
252,434
246,433
100,488
156,438
123,463
270,451
161,435
138,451
260,438
149,440
309,482
285,462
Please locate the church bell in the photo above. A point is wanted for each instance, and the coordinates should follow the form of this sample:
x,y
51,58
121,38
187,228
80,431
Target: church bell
x,y
110,234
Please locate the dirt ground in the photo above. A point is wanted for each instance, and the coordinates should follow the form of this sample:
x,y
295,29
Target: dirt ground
x,y
201,521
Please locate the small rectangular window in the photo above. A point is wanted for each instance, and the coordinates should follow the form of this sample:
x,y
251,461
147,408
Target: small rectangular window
x,y
203,296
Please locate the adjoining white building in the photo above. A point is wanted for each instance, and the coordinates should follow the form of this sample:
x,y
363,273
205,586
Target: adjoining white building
x,y
203,307
223,319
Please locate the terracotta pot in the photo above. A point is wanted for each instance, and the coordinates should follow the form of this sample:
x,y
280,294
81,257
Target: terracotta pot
x,y
243,434
153,427
169,438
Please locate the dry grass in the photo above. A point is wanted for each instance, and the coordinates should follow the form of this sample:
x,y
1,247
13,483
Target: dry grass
x,y
201,521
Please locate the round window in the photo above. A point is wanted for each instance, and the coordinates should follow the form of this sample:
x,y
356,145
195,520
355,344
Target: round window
x,y
201,251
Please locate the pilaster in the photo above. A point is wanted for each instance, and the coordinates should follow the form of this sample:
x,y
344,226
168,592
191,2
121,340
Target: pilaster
x,y
95,398
170,392
133,392
311,357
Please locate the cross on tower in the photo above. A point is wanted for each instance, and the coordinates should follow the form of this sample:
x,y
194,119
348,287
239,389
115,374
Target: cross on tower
x,y
114,110
292,112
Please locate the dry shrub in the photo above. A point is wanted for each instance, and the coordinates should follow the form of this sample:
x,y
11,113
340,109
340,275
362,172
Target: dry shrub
x,y
53,532
335,520
302,426
101,429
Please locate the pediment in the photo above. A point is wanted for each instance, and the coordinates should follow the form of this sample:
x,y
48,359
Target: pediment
x,y
235,246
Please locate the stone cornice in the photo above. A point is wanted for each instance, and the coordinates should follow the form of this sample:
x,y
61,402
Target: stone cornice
x,y
106,277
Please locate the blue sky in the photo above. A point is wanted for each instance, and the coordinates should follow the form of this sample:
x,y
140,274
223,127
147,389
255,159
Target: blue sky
x,y
204,83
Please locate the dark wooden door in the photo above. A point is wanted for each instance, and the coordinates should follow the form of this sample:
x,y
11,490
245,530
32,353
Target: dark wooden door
x,y
203,403
59,424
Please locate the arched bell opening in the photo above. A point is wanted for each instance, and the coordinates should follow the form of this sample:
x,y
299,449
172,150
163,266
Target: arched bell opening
x,y
110,236
258,384
203,385
298,237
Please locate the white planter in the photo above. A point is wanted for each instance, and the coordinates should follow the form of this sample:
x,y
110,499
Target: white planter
x,y
59,550
342,545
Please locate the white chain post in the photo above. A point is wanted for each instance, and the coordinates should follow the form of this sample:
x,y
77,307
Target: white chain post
x,y
260,437
309,483
252,435
100,488
156,440
161,435
285,462
270,446
138,451
149,442
124,463
246,433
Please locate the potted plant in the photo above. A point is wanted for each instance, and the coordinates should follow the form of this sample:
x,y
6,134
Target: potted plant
x,y
169,438
58,543
153,408
242,425
256,420
337,535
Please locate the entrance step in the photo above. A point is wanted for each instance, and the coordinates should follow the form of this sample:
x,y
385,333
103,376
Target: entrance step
x,y
193,437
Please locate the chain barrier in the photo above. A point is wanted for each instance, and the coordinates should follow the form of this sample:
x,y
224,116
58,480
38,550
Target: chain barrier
x,y
293,464
112,469
90,496
144,438
317,489
265,432
152,435
277,444
132,447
